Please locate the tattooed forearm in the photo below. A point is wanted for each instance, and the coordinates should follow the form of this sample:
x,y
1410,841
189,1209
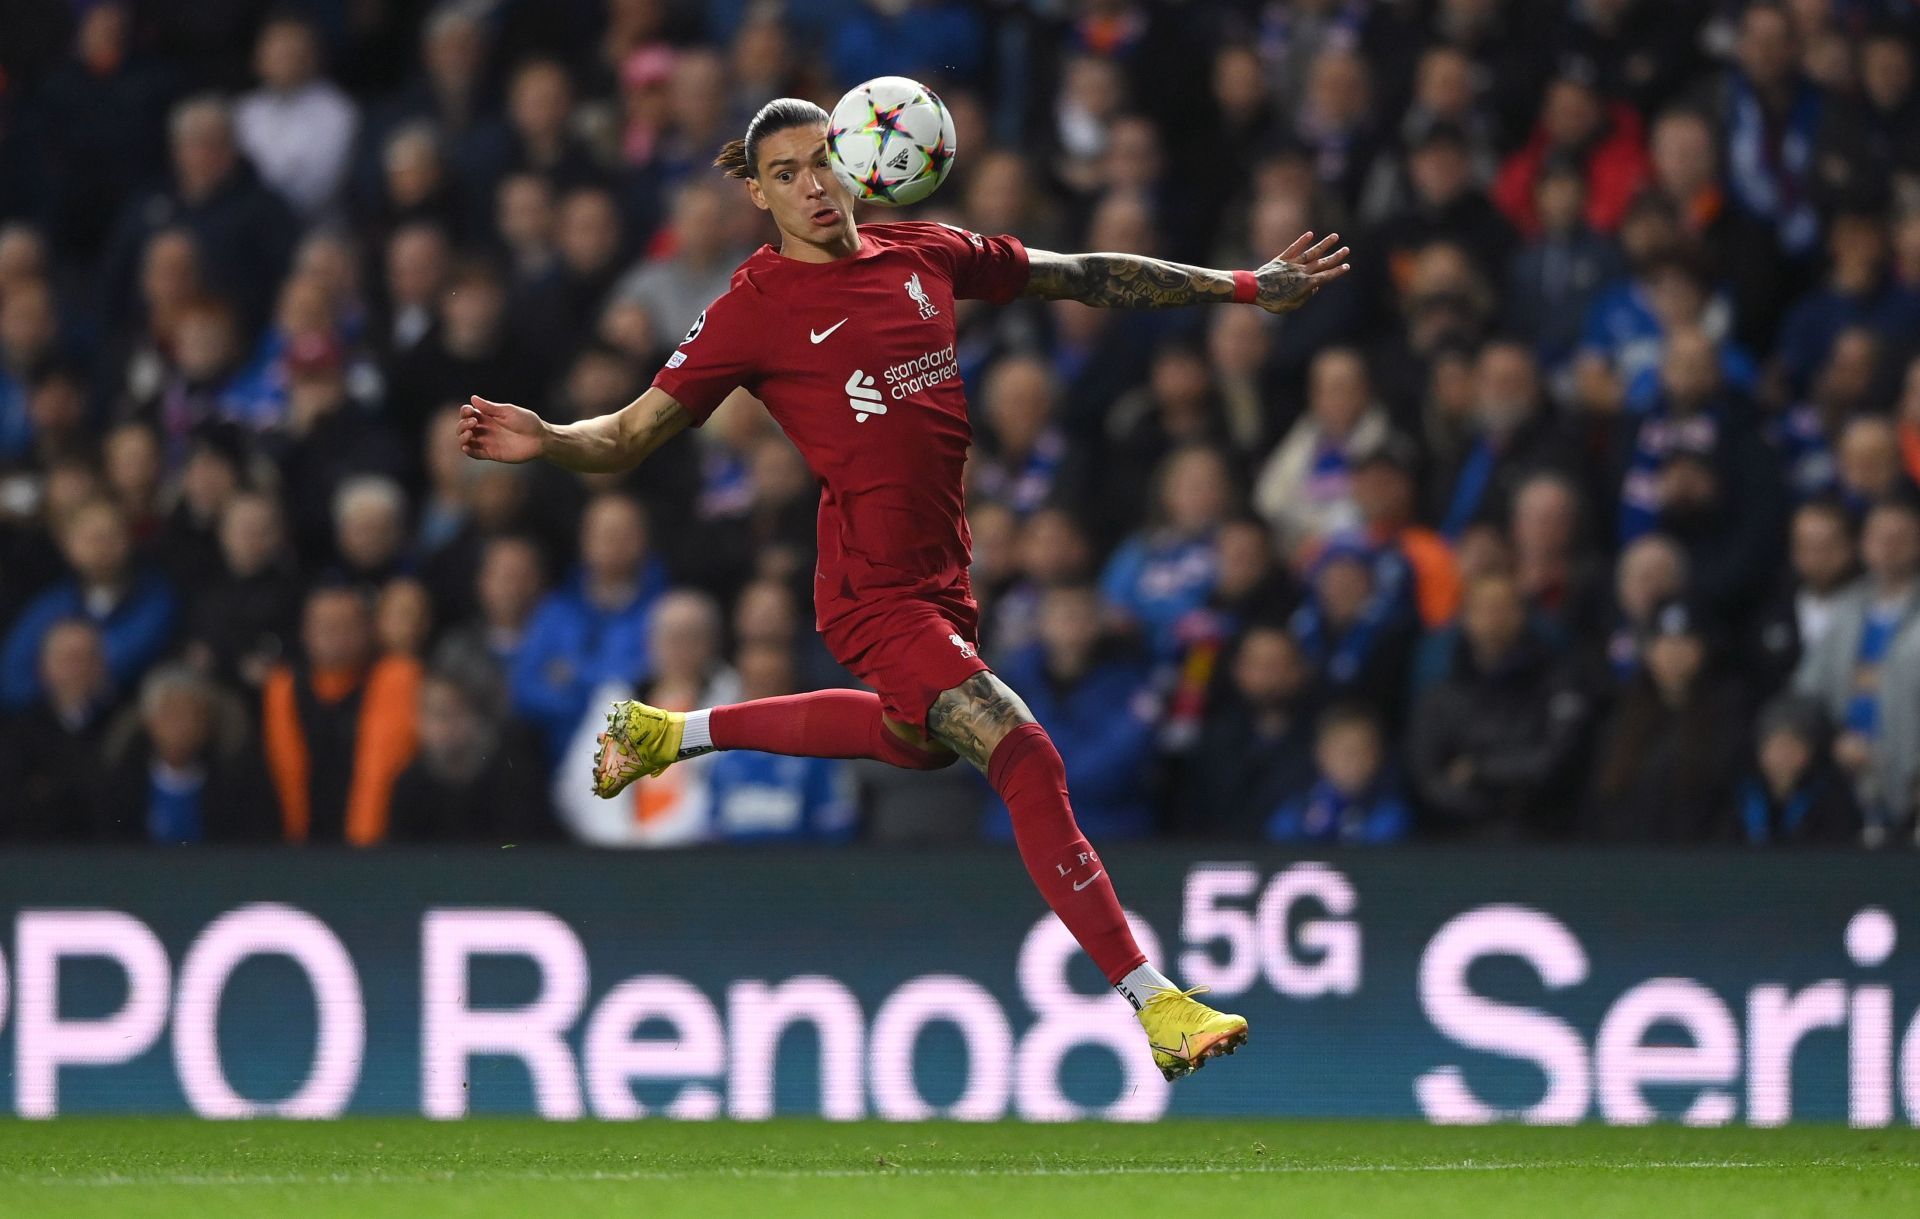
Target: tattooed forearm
x,y
1124,281
1131,281
973,717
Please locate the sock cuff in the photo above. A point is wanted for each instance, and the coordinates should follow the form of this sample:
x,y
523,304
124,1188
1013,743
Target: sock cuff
x,y
1013,747
696,735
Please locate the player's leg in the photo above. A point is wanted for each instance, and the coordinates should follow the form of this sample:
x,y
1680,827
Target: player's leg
x,y
986,723
643,740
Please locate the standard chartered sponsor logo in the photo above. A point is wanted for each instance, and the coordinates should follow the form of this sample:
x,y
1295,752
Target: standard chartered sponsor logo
x,y
923,371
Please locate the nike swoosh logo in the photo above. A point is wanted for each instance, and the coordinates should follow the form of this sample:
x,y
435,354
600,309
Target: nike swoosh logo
x,y
1089,880
820,336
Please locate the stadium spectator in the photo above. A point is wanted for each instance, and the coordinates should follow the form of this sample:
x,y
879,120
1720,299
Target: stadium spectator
x,y
1353,800
56,414
685,669
1564,582
102,126
338,725
1671,751
478,776
1739,248
1384,492
133,607
1094,700
28,330
507,590
1165,570
1442,201
675,287
1553,279
1027,463
1770,116
1651,570
297,127
175,781
1868,464
1720,502
186,541
1255,749
1495,747
130,463
50,751
1606,138
1177,406
240,621
403,618
764,797
1859,289
329,441
369,530
1357,628
1795,616
1334,122
467,344
1511,436
416,262
1851,669
593,630
244,231
1305,490
1794,795
540,99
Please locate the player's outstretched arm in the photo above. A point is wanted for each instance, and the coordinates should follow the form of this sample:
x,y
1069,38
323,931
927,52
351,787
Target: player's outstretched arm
x,y
1130,281
500,431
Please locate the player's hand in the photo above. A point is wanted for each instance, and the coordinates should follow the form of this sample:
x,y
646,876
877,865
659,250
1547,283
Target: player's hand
x,y
1301,270
499,431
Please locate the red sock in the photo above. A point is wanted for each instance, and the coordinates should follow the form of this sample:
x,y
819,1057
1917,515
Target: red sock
x,y
1026,770
823,724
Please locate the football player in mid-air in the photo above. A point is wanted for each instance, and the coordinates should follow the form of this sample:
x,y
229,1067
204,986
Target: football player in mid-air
x,y
847,335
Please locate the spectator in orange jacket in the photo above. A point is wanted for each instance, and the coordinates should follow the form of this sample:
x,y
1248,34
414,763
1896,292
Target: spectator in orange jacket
x,y
340,726
1605,138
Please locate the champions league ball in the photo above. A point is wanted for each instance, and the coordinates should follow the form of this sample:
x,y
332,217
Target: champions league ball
x,y
890,141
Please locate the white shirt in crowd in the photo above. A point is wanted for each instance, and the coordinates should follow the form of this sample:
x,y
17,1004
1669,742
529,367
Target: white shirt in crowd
x,y
299,140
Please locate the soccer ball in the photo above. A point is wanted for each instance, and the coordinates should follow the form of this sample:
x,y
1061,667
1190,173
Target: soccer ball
x,y
890,141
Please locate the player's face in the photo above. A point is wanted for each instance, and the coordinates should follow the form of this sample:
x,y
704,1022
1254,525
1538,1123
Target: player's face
x,y
794,183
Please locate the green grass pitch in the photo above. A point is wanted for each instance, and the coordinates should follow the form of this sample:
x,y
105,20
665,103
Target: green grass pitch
x,y
371,1169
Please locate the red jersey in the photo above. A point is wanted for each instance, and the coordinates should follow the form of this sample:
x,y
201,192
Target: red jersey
x,y
855,361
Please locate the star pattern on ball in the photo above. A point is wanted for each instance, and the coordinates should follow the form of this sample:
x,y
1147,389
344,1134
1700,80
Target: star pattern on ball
x,y
938,156
875,185
887,120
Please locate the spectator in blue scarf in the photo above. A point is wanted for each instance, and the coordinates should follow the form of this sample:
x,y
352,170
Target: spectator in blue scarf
x,y
1354,799
1794,795
1357,634
1771,115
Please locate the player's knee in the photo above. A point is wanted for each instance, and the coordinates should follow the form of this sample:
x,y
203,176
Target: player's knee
x,y
908,756
923,759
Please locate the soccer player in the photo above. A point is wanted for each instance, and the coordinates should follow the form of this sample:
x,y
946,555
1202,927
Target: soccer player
x,y
847,335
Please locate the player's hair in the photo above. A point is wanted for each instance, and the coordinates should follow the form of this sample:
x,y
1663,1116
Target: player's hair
x,y
741,158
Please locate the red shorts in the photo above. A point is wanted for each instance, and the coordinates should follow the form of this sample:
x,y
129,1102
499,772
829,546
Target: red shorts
x,y
910,650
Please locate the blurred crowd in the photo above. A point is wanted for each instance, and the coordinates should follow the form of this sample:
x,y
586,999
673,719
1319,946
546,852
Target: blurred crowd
x,y
1584,509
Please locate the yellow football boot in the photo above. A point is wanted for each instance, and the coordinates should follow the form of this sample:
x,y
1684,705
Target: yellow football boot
x,y
1184,1033
639,741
